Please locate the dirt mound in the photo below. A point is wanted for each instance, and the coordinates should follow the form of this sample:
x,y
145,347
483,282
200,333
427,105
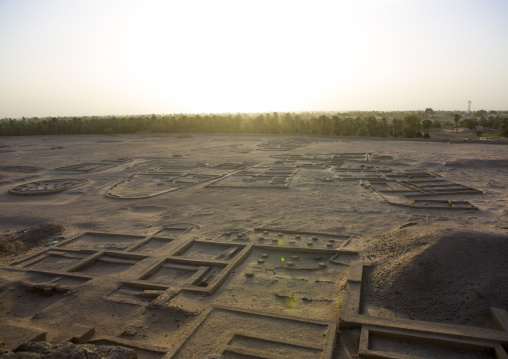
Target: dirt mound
x,y
19,242
446,275
478,164
69,350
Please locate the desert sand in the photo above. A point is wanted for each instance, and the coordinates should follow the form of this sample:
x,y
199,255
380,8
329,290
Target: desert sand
x,y
181,246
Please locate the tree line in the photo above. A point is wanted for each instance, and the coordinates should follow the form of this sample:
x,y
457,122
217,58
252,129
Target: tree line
x,y
412,124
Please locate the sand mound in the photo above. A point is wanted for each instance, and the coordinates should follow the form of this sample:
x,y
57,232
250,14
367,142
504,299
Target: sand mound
x,y
478,164
439,274
19,242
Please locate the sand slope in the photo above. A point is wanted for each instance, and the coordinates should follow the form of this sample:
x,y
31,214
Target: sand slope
x,y
439,272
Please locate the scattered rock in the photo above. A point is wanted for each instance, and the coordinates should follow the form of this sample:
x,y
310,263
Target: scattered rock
x,y
67,350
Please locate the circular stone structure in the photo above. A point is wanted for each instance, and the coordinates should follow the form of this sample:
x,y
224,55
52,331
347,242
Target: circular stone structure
x,y
40,188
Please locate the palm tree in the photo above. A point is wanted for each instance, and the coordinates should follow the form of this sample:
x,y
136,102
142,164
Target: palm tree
x,y
456,119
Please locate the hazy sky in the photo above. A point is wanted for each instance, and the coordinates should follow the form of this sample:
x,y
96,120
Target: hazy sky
x,y
60,58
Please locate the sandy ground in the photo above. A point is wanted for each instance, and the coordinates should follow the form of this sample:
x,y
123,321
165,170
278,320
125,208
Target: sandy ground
x,y
222,188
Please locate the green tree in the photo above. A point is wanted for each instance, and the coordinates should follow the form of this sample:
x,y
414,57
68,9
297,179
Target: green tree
x,y
429,112
426,124
396,127
362,131
272,123
371,125
504,126
456,118
411,125
470,123
481,113
383,123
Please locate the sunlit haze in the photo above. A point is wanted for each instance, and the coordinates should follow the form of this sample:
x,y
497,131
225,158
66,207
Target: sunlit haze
x,y
73,58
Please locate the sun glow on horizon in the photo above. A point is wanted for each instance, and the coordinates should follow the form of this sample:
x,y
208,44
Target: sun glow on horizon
x,y
126,57
246,60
